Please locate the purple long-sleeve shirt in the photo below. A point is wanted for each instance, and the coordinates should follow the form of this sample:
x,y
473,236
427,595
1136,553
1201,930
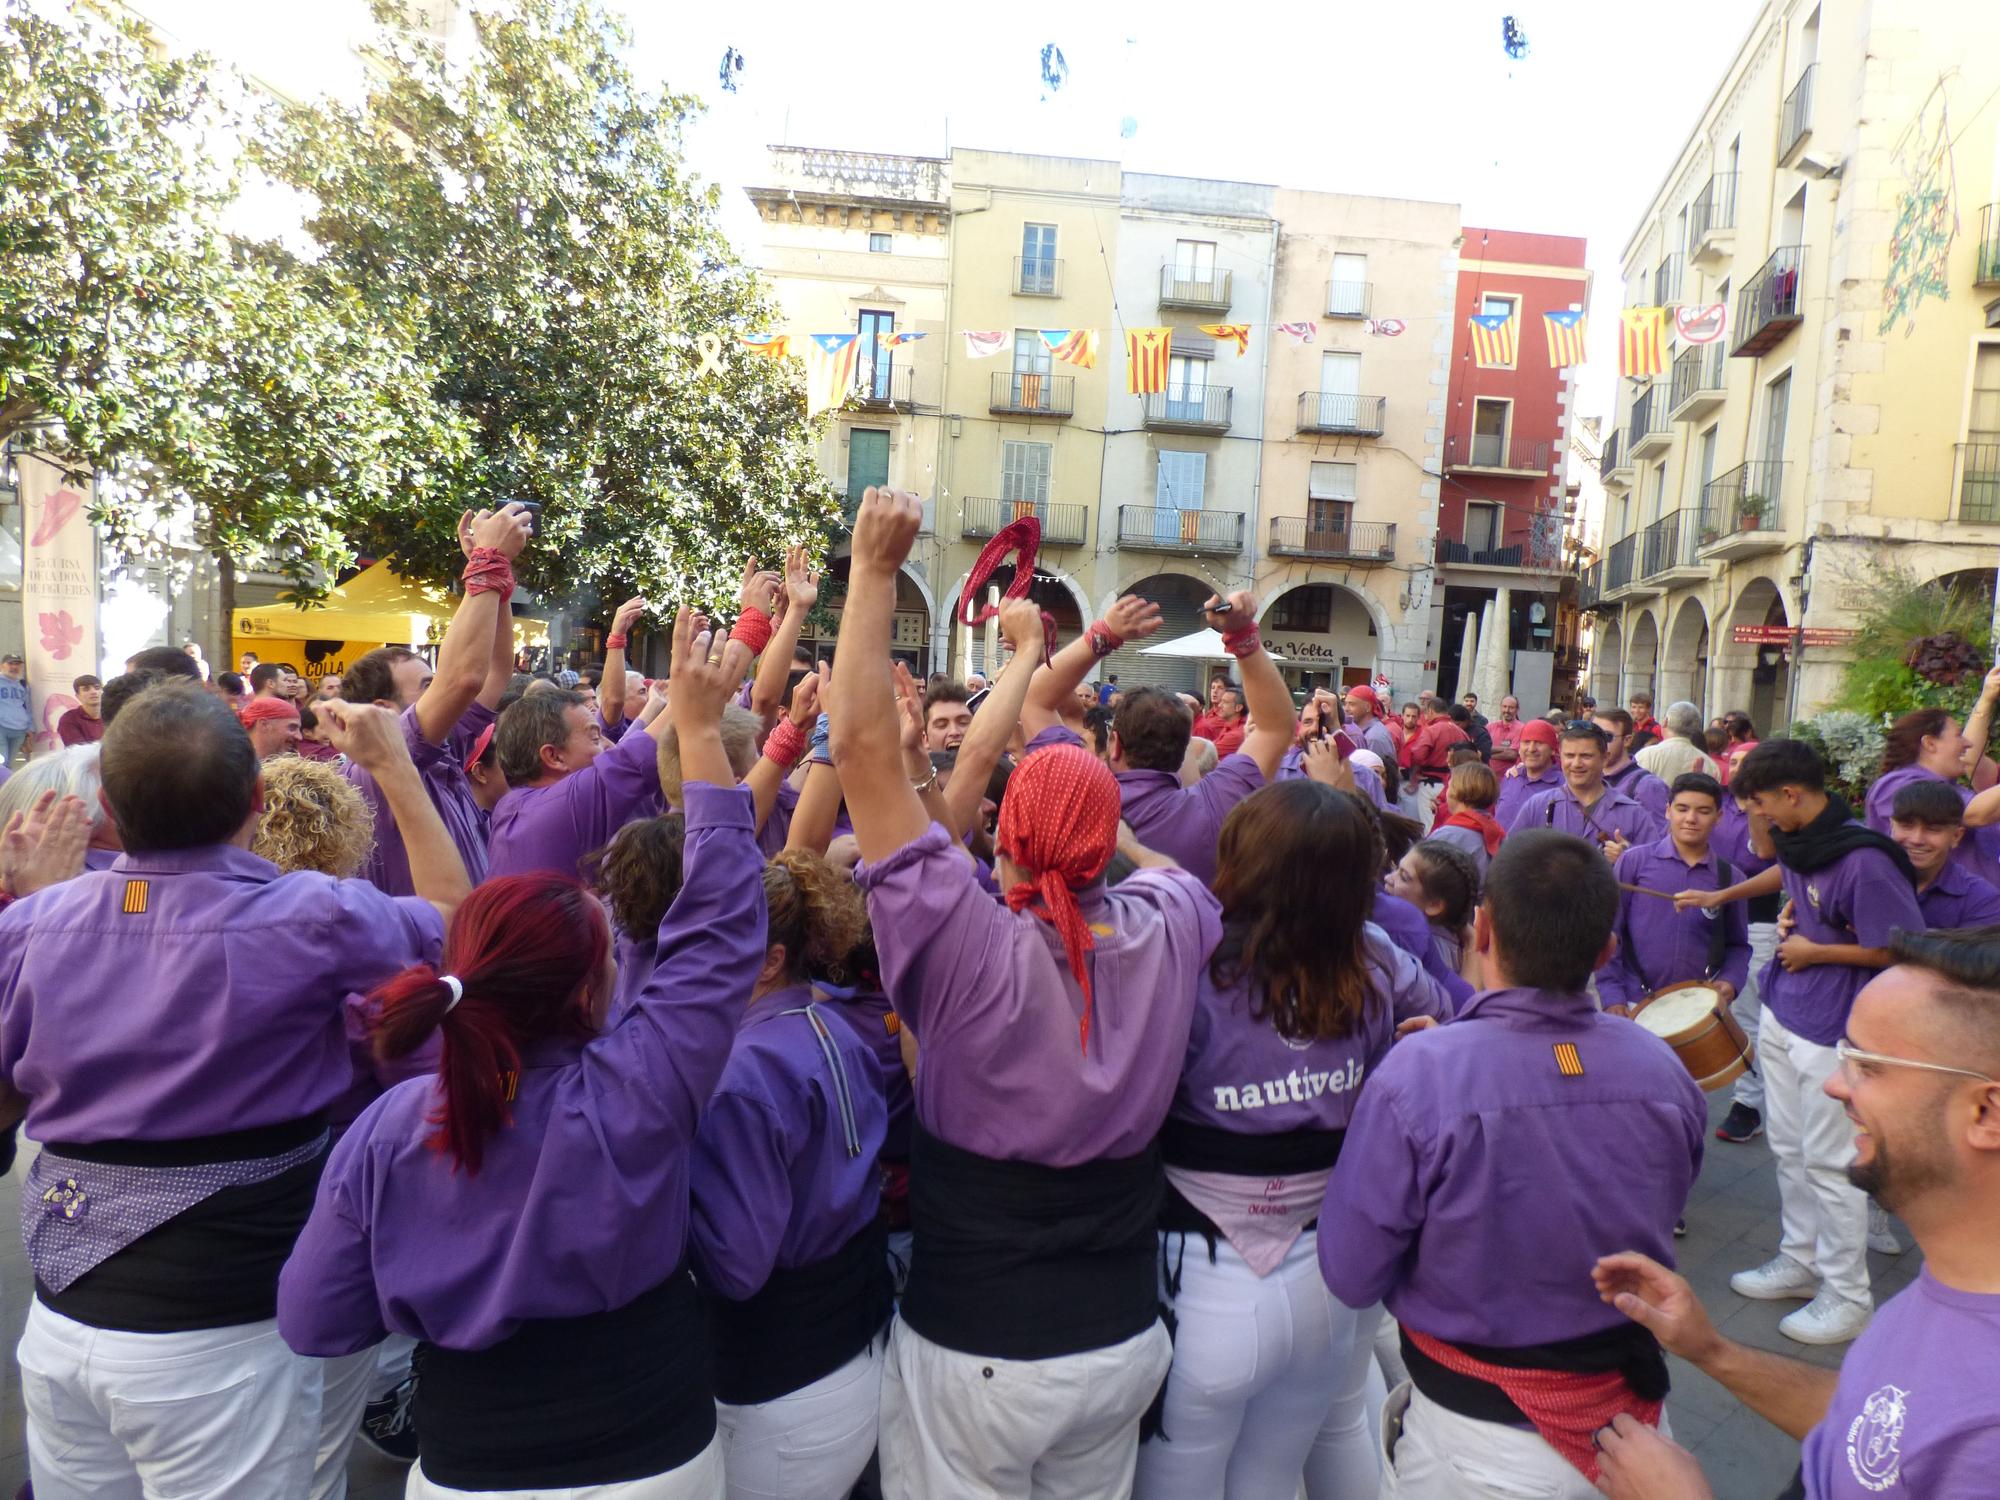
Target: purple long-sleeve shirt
x,y
1183,822
1642,786
442,768
1366,782
1659,946
1978,853
1613,812
191,992
1958,899
1859,898
1516,790
1483,1173
553,827
1241,1075
773,1184
996,1011
581,1203
1408,929
873,1019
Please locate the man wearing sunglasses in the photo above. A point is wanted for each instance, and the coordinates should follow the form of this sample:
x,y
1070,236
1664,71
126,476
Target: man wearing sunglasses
x,y
1913,1410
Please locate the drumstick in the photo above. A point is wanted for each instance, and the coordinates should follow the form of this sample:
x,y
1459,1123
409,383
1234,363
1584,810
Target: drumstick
x,y
1642,890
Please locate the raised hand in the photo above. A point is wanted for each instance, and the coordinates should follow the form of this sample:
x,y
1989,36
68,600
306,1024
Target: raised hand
x,y
701,685
808,695
1021,626
760,589
885,528
1326,765
44,845
801,581
628,615
505,530
910,708
1241,614
1133,619
371,737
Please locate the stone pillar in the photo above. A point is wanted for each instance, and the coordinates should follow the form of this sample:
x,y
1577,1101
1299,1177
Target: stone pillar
x,y
1468,657
1496,658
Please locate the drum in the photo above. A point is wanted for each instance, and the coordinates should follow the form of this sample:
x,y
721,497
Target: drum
x,y
1692,1019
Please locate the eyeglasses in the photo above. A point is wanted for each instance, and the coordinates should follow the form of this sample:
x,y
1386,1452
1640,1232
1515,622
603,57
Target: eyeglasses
x,y
1847,1052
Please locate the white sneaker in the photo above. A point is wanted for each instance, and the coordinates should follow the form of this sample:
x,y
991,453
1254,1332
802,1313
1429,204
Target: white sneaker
x,y
1828,1319
1881,1236
1778,1278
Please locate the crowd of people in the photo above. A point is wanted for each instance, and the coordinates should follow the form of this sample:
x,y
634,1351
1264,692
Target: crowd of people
x,y
796,1079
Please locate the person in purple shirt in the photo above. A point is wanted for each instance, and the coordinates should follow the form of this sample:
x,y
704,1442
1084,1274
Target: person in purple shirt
x,y
1050,1033
1847,889
525,1213
183,1128
1912,1410
1927,820
1537,770
1585,804
567,792
786,1231
1150,731
1298,1005
1473,1194
1929,745
1623,773
1660,943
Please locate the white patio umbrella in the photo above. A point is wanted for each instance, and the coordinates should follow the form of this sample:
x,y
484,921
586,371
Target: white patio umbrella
x,y
1203,645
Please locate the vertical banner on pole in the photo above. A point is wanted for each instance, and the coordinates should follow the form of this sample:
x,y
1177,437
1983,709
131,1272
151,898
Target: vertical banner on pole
x,y
58,591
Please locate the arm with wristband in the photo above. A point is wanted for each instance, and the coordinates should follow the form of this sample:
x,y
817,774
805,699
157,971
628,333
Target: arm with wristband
x,y
1265,697
784,748
1130,619
994,724
611,686
818,811
774,667
495,539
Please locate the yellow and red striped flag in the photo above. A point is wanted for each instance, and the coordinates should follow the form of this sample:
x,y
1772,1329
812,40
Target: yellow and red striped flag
x,y
1031,390
1237,334
1147,351
1493,340
1073,346
1642,341
829,370
1567,332
769,345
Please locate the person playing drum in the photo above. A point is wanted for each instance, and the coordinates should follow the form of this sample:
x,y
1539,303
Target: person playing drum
x,y
1662,944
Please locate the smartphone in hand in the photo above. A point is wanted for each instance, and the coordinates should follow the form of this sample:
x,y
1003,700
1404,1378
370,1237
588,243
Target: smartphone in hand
x,y
1344,743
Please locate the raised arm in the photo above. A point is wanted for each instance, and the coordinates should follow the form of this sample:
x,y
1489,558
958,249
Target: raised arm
x,y
611,686
1265,697
1130,619
1979,723
774,667
917,765
500,663
496,539
373,740
867,740
782,750
993,726
818,810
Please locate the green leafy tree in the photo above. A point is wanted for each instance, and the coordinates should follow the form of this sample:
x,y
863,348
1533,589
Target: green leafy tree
x,y
530,213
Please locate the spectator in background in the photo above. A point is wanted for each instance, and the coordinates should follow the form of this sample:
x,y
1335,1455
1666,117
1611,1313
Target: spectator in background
x,y
1681,752
193,653
1505,731
1364,707
1225,724
245,664
272,679
16,722
1107,690
328,689
1742,737
1715,740
1473,727
232,690
1645,728
83,725
166,661
1471,702
123,688
273,725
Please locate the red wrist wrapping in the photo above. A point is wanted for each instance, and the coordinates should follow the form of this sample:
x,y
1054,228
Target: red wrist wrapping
x,y
1242,642
1103,639
488,571
753,630
786,743
617,641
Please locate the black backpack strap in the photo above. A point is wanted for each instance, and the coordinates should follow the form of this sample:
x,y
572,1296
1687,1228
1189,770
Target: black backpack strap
x,y
1718,938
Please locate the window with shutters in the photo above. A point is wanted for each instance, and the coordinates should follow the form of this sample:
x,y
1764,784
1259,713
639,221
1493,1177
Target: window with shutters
x,y
1489,432
1024,471
1038,258
1330,494
1347,291
1178,494
1187,388
1482,526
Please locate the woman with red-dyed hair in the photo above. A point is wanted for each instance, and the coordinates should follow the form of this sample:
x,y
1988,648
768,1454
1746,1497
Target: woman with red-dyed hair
x,y
1050,1036
524,1214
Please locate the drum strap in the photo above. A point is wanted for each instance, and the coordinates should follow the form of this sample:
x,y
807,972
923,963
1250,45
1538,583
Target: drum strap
x,y
1718,931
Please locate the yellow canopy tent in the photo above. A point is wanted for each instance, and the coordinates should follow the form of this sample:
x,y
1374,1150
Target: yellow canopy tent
x,y
376,607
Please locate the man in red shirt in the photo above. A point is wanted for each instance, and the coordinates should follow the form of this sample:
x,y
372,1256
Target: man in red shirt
x,y
1506,730
1223,724
1426,755
1645,728
83,725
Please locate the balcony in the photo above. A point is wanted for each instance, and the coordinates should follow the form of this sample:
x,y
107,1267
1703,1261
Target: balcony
x,y
1669,550
1062,525
1037,277
1333,411
1023,393
886,388
1486,453
1978,483
1520,558
1650,429
1153,528
1698,386
1768,308
1205,291
1614,464
1712,221
1667,281
1618,565
1348,299
1590,586
1188,409
1739,512
1357,541
1795,124
1986,254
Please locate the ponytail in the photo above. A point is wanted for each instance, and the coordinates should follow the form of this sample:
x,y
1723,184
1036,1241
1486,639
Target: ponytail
x,y
524,950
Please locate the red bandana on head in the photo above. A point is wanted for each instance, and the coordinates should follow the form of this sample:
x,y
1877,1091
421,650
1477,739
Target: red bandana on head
x,y
257,710
1059,823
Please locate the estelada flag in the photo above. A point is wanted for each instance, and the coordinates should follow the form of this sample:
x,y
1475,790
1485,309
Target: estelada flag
x,y
896,340
769,345
1073,346
1642,341
1492,340
1147,351
829,369
1567,332
1237,334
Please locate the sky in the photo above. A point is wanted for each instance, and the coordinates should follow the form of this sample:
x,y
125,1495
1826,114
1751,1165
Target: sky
x,y
1401,98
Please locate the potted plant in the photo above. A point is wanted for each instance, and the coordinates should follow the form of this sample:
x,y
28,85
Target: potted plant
x,y
1751,511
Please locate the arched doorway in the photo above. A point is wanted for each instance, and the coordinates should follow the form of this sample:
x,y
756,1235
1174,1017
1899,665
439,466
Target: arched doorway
x,y
1642,659
1684,668
1755,676
1052,591
910,635
1180,598
1326,635
1607,660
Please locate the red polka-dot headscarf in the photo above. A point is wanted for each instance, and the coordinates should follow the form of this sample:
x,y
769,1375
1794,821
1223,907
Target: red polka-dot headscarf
x,y
1059,823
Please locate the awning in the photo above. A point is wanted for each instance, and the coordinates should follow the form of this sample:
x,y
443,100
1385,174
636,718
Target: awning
x,y
1203,645
379,605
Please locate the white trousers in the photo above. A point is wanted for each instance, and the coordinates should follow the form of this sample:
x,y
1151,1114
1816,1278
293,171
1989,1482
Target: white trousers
x,y
345,1390
700,1478
1429,1453
1749,1090
219,1413
1825,1216
814,1441
1268,1382
974,1428
392,1365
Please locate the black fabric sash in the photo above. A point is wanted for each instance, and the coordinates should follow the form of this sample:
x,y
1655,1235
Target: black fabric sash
x,y
1834,833
1628,1349
1211,1148
1022,1261
565,1402
804,1323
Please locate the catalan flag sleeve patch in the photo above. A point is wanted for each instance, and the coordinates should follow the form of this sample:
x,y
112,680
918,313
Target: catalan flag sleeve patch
x,y
1568,1063
136,892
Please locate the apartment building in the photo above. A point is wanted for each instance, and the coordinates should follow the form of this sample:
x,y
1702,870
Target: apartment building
x,y
1836,195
